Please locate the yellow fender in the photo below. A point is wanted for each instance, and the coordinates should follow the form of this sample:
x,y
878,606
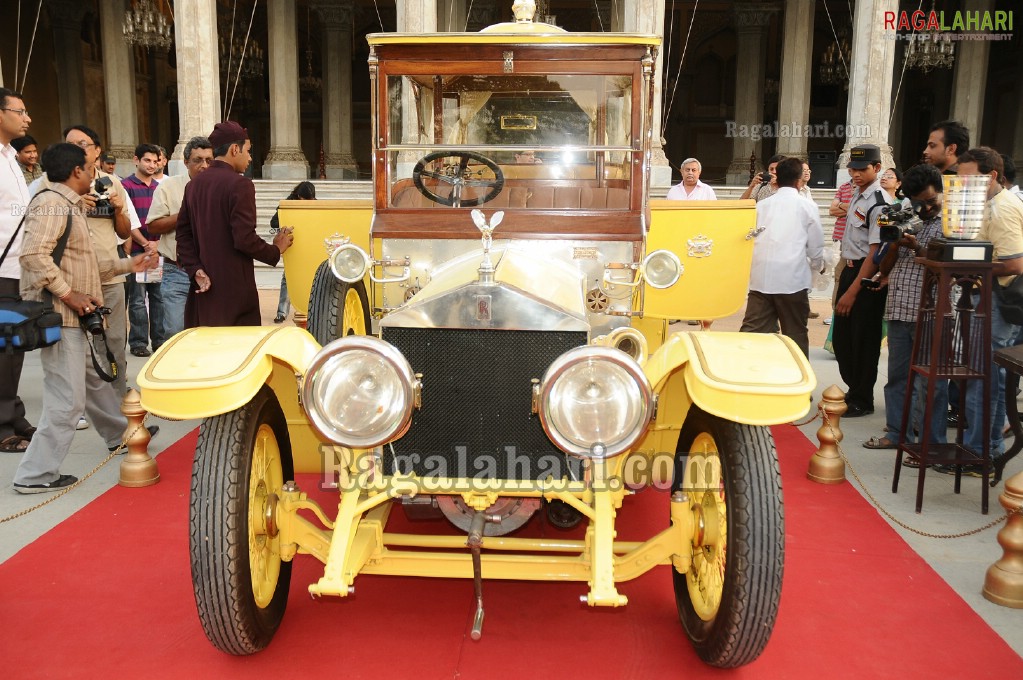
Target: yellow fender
x,y
751,378
204,372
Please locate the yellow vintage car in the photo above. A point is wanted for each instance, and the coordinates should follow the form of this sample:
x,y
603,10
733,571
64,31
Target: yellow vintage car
x,y
487,342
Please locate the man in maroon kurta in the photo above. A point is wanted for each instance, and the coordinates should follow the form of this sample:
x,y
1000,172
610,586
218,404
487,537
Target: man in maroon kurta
x,y
217,240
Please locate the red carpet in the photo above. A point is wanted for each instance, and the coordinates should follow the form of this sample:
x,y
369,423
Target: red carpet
x,y
108,594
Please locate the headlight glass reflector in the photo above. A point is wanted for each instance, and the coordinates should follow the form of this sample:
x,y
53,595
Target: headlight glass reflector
x,y
595,402
349,263
359,392
662,268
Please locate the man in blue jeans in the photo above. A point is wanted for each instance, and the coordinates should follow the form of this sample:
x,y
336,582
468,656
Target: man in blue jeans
x,y
144,323
1004,229
904,277
163,219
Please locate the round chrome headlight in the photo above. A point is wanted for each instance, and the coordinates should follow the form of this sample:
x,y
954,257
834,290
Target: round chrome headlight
x,y
595,402
349,263
360,392
662,269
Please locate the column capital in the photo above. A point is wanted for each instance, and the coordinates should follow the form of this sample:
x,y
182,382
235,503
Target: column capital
x,y
753,16
334,14
65,13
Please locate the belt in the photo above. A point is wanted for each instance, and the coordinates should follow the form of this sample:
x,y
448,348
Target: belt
x,y
167,260
854,263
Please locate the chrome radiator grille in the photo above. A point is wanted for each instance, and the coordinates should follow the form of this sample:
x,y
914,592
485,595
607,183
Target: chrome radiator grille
x,y
475,420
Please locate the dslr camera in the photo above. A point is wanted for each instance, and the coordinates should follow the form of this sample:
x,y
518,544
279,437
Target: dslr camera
x,y
93,321
101,190
765,177
894,221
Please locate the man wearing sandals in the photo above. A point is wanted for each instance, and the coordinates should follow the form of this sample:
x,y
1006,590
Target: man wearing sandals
x,y
904,277
71,384
15,430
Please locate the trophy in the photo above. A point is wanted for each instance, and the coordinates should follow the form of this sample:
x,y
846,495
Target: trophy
x,y
962,216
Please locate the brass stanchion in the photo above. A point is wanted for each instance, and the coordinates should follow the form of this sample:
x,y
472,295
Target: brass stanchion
x,y
137,468
1003,583
826,466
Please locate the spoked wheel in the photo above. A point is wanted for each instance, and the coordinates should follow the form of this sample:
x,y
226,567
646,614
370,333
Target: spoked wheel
x,y
336,308
240,581
452,168
728,600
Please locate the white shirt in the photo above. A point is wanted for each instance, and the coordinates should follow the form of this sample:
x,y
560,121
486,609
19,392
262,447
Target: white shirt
x,y
167,201
701,192
14,197
792,235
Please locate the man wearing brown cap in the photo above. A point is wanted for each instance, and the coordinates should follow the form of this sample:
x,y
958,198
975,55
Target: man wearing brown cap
x,y
217,239
858,312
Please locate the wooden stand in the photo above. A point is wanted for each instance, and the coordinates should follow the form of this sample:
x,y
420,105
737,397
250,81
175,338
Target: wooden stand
x,y
951,343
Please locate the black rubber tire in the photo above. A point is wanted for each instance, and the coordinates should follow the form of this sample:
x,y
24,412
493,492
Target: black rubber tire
x,y
326,306
742,625
218,528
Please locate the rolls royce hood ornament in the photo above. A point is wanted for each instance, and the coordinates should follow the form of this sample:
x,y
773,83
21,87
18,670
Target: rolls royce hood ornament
x,y
487,230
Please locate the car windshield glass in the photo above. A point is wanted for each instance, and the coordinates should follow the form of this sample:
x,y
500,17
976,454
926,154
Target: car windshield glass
x,y
527,141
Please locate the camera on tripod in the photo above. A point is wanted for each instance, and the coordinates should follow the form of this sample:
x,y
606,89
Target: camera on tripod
x,y
93,321
101,190
895,221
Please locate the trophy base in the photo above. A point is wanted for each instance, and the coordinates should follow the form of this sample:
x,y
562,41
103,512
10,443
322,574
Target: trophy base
x,y
941,249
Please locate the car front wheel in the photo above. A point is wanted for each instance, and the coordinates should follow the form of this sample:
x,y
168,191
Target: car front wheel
x,y
728,599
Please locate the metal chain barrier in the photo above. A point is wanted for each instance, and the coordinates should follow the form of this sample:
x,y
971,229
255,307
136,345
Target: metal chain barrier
x,y
877,504
113,454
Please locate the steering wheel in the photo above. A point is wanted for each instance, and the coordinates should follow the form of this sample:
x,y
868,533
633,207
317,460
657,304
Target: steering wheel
x,y
459,177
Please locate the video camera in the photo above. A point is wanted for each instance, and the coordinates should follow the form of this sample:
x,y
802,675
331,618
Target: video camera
x,y
101,190
895,220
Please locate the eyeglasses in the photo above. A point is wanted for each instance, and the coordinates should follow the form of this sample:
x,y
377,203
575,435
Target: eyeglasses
x,y
21,112
887,176
83,144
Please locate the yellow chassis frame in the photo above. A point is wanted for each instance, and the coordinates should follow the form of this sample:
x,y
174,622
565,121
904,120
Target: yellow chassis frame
x,y
743,377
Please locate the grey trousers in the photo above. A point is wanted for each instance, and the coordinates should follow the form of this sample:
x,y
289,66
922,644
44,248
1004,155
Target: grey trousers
x,y
70,387
117,333
766,311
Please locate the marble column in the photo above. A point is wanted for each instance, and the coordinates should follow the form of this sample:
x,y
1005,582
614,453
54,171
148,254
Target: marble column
x,y
336,19
870,82
751,21
417,16
796,66
195,40
414,16
119,84
970,83
451,16
647,16
285,160
66,20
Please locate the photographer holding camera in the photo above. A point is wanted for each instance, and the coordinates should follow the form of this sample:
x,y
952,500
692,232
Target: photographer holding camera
x,y
909,232
56,231
111,219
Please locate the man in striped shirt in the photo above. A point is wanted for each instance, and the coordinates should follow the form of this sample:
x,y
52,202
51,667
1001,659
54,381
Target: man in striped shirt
x,y
145,325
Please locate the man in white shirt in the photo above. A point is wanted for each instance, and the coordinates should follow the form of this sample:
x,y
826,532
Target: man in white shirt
x,y
163,221
691,188
15,430
791,244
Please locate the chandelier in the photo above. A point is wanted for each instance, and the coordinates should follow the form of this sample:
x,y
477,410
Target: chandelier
x,y
250,58
835,61
929,50
309,83
145,25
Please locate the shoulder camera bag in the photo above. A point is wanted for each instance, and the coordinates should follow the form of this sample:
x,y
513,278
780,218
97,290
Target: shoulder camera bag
x,y
26,325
